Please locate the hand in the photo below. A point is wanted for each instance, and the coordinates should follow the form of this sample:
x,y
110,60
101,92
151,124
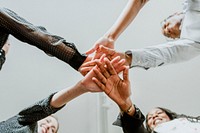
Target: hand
x,y
111,54
87,84
6,47
103,41
109,81
171,27
88,66
88,72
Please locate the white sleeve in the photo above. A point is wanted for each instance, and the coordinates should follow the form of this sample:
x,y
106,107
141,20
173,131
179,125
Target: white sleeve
x,y
185,6
167,53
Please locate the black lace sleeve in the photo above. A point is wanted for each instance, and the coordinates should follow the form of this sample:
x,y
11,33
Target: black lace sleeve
x,y
11,23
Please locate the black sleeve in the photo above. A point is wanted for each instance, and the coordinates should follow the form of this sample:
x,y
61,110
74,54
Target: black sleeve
x,y
131,124
11,23
37,111
2,58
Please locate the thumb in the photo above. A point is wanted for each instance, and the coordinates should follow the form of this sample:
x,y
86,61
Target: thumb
x,y
92,50
106,50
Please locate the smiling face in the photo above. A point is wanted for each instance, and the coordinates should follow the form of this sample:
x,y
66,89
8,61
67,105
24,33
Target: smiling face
x,y
155,117
48,125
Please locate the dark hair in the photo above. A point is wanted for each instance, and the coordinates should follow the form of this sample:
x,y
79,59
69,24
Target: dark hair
x,y
55,117
170,114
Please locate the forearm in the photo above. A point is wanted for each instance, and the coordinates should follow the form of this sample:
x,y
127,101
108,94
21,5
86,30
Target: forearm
x,y
64,96
163,54
37,111
126,17
11,23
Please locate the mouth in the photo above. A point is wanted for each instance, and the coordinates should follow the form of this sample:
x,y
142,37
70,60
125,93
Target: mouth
x,y
157,121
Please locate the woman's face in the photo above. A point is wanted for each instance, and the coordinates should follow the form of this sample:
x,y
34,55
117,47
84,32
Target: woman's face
x,y
156,116
48,125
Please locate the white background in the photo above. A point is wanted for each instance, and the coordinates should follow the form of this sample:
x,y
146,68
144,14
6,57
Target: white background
x,y
30,75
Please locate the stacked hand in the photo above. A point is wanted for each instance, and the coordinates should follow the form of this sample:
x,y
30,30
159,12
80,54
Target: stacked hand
x,y
109,81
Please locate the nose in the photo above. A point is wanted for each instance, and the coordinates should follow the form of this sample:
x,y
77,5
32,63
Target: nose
x,y
155,115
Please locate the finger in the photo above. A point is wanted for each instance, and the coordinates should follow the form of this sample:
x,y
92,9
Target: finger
x,y
85,70
98,83
120,69
118,62
98,54
106,50
110,68
92,50
101,66
89,63
126,73
102,57
119,66
100,76
115,60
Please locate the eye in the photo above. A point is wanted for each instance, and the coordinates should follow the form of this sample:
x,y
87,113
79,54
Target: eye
x,y
150,117
53,129
160,112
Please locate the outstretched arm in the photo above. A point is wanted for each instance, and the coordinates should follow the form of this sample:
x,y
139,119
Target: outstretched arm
x,y
157,55
11,23
56,101
126,17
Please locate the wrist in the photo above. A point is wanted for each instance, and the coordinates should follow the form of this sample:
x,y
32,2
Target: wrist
x,y
128,57
82,87
129,110
125,105
110,37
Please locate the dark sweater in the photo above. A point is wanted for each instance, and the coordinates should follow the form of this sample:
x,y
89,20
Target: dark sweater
x,y
26,120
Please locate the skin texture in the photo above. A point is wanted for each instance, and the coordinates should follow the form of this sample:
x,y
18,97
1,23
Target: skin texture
x,y
48,125
171,27
155,117
125,18
6,47
116,88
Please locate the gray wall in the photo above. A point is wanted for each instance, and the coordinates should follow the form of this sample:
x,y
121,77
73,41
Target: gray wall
x,y
29,75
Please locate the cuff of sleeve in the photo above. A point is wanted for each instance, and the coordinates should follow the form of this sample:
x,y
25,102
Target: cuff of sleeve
x,y
77,60
136,120
139,59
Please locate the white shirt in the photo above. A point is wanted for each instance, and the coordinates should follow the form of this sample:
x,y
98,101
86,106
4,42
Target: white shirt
x,y
191,23
167,53
183,49
181,125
